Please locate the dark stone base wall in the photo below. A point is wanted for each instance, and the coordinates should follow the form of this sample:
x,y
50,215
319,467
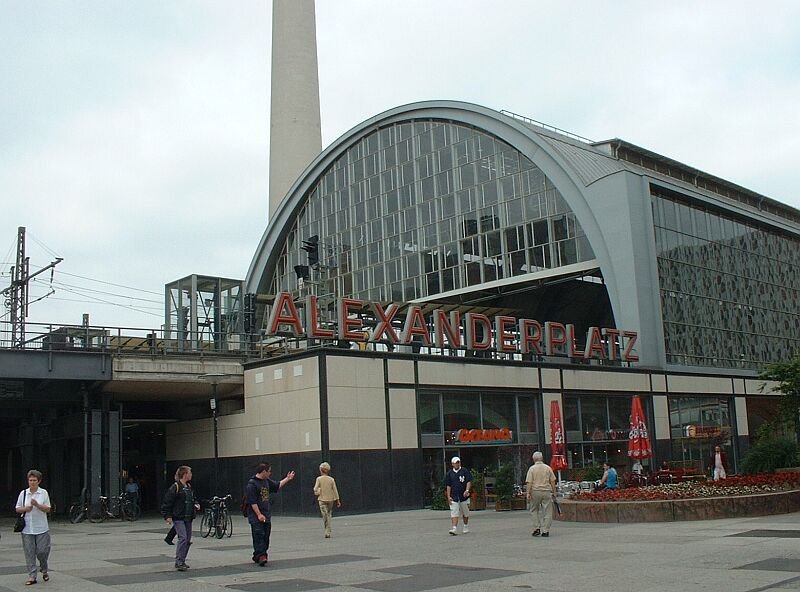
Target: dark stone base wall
x,y
766,504
367,480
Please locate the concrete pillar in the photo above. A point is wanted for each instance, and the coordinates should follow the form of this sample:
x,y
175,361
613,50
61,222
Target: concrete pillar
x,y
295,130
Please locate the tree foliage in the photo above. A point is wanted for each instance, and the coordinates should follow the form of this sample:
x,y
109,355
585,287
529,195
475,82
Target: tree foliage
x,y
769,454
787,375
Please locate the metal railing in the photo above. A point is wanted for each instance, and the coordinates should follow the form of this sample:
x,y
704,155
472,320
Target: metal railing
x,y
124,340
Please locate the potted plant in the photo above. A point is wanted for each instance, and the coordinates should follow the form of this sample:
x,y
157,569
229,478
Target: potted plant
x,y
504,487
478,497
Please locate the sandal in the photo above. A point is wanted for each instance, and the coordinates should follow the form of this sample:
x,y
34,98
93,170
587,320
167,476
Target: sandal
x,y
30,582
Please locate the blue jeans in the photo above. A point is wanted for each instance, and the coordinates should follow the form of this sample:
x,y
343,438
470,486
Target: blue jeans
x,y
184,530
260,532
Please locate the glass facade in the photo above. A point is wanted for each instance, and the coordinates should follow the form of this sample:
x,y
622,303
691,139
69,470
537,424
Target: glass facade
x,y
597,429
730,290
697,424
446,413
420,208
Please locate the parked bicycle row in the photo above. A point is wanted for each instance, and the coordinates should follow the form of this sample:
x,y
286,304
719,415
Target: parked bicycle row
x,y
123,507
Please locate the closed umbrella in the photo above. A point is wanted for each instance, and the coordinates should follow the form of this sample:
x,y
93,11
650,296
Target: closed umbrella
x,y
639,446
558,460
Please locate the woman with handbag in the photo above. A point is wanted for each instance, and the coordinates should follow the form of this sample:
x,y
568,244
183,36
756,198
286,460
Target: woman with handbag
x,y
33,504
179,509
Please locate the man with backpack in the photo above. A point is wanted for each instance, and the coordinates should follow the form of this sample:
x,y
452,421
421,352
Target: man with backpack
x,y
259,511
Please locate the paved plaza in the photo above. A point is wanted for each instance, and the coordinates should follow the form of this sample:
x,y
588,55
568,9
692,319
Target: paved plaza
x,y
412,552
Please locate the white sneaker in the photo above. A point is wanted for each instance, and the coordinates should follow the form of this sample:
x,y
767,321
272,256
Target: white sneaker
x,y
453,531
466,529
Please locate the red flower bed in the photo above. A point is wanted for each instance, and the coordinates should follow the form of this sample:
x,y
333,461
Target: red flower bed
x,y
734,485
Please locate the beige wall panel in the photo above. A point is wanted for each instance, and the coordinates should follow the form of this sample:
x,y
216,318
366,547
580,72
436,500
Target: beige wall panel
x,y
269,440
342,402
699,385
440,373
404,433
250,386
520,377
270,410
738,386
304,404
403,404
234,421
551,378
659,383
762,387
371,433
342,371
310,435
661,417
369,373
301,375
371,403
401,371
343,433
290,440
742,425
606,381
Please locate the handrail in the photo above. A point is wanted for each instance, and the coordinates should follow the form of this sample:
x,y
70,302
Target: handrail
x,y
546,126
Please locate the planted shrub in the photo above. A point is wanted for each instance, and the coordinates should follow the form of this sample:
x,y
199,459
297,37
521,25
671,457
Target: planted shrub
x,y
769,454
504,482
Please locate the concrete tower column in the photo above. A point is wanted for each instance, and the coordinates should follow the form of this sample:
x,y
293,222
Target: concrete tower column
x,y
295,130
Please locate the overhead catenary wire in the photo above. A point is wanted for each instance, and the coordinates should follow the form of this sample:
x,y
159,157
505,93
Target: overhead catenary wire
x,y
95,299
30,235
65,285
59,272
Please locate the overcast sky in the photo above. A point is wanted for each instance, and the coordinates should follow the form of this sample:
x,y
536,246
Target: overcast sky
x,y
134,135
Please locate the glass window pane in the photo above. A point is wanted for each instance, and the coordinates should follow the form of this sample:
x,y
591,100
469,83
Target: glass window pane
x,y
527,414
498,411
461,411
429,419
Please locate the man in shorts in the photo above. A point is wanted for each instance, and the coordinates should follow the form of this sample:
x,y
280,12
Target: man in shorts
x,y
458,488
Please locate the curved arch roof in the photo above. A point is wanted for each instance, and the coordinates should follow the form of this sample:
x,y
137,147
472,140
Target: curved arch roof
x,y
567,165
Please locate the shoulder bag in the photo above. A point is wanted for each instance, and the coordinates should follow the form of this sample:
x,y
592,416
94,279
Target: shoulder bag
x,y
19,525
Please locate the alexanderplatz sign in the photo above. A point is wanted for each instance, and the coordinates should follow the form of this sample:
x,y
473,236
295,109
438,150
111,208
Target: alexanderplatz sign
x,y
475,332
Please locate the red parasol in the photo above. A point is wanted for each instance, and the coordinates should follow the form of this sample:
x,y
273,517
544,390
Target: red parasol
x,y
638,439
559,459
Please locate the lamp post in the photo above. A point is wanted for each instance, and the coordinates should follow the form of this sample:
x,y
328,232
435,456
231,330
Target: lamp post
x,y
214,379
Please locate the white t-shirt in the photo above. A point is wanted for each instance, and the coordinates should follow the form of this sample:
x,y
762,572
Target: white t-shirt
x,y
35,520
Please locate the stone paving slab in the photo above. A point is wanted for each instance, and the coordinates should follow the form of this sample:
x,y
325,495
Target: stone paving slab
x,y
412,552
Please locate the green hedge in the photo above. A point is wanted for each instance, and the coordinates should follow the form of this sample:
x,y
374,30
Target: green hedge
x,y
769,454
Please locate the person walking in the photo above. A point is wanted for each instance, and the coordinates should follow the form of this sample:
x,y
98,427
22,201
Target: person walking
x,y
540,485
179,509
327,495
34,503
259,511
458,488
718,464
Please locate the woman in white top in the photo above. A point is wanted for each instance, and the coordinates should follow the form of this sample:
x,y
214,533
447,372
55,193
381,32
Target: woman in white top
x,y
34,503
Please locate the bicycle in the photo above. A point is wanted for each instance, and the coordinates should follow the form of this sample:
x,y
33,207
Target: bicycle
x,y
117,506
78,512
217,518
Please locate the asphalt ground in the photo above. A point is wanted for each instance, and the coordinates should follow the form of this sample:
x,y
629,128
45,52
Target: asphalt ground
x,y
413,552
